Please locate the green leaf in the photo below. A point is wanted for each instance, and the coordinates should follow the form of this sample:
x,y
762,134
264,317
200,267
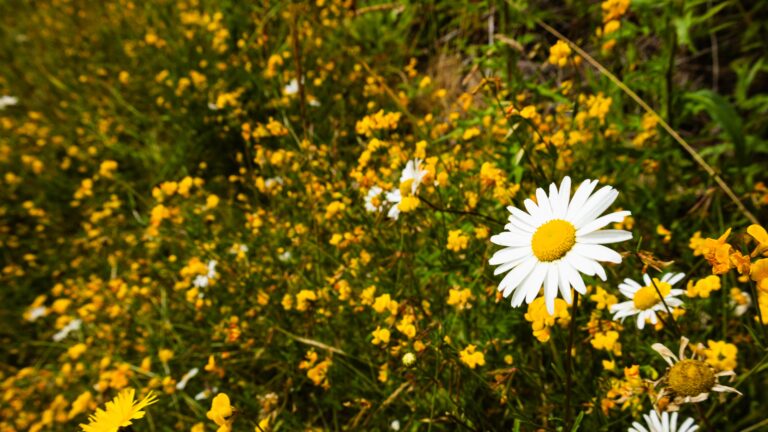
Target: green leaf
x,y
723,113
577,422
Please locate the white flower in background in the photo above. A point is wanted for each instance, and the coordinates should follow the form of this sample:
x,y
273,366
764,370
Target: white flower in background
x,y
644,301
71,326
36,312
205,394
372,201
663,423
185,379
272,182
740,301
395,425
6,101
292,88
394,197
412,173
558,238
212,106
285,256
410,179
202,281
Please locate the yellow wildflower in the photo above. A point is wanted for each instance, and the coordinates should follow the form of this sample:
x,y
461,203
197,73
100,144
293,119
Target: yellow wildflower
x,y
472,358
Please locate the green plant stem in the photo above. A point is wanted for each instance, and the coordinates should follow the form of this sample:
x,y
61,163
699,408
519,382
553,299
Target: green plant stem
x,y
569,360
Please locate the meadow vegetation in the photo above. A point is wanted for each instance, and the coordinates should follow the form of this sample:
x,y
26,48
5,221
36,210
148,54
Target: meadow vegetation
x,y
326,215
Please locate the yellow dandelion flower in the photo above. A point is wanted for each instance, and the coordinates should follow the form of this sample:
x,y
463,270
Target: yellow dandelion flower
x,y
119,412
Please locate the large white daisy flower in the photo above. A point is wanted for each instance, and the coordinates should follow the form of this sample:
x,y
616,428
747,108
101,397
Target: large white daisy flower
x,y
663,423
644,301
555,240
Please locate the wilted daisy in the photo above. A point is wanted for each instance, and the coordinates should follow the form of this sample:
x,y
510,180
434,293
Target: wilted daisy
x,y
119,412
644,301
688,380
663,423
555,240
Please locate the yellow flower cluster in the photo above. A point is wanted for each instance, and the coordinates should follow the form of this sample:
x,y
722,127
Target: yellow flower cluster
x,y
471,357
541,321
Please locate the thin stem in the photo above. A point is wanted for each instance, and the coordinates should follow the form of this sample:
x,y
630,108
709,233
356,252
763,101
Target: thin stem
x,y
569,359
694,155
666,306
461,212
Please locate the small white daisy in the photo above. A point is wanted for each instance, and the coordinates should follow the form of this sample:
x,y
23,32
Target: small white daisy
x,y
410,179
663,423
555,240
6,101
644,300
185,379
202,281
292,88
71,326
372,201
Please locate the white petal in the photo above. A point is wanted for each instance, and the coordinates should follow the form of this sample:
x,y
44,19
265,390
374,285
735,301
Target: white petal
x,y
665,353
509,254
599,271
580,263
558,211
516,276
543,201
604,237
531,286
597,252
508,266
574,278
509,239
676,278
519,225
596,224
595,206
550,288
579,198
565,194
563,280
647,279
535,211
523,217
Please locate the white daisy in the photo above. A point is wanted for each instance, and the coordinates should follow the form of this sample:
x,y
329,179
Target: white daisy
x,y
372,203
663,423
73,325
688,380
644,300
413,172
555,240
292,88
202,281
185,379
6,101
410,179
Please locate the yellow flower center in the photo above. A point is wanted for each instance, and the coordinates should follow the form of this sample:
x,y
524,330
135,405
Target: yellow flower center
x,y
405,187
647,297
691,378
553,240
